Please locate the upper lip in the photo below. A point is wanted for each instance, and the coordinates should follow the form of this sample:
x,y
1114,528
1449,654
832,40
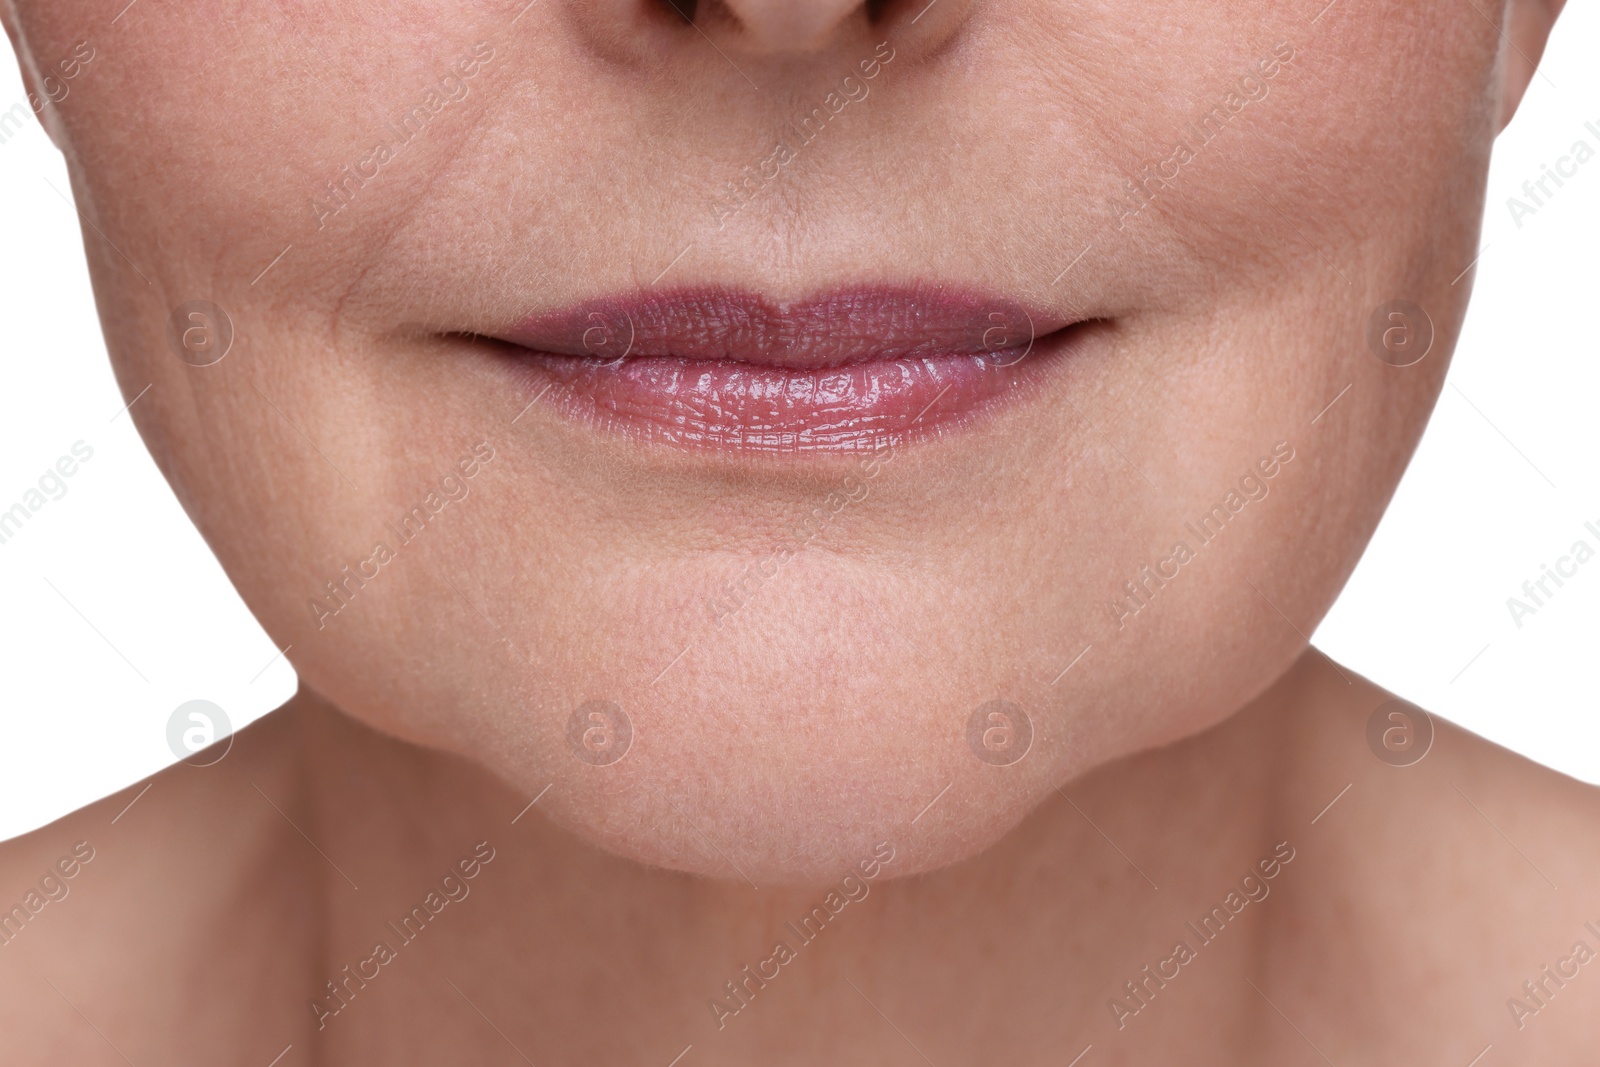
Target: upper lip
x,y
834,328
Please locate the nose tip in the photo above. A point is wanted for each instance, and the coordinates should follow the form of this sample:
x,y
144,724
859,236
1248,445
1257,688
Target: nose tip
x,y
794,25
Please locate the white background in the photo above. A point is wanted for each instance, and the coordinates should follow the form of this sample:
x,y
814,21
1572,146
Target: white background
x,y
113,612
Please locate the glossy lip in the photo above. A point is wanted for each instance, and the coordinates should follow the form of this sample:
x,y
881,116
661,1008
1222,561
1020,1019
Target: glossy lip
x,y
849,370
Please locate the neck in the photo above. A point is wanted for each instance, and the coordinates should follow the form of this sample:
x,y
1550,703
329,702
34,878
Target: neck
x,y
1110,897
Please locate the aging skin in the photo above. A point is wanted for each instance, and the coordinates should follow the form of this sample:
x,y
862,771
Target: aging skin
x,y
1197,207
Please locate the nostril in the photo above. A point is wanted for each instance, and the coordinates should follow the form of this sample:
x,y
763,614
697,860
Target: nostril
x,y
686,8
773,26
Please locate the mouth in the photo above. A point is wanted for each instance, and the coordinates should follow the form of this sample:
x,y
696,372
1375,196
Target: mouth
x,y
847,371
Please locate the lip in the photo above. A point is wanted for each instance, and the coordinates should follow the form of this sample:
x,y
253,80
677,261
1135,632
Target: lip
x,y
848,370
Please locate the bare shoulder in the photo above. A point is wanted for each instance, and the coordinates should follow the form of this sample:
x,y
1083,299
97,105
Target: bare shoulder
x,y
1431,780
112,904
1460,877
171,799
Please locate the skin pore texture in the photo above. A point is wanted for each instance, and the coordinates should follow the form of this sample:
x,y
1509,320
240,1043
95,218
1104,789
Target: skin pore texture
x,y
746,682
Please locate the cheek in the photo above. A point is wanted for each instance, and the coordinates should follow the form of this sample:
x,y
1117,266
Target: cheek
x,y
1320,165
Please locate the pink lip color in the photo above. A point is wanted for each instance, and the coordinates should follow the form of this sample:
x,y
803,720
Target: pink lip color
x,y
725,369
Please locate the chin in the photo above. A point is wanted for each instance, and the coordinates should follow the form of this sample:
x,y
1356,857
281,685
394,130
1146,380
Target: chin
x,y
728,813
832,715
774,764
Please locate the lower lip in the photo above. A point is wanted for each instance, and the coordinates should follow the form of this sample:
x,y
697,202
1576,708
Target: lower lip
x,y
727,405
